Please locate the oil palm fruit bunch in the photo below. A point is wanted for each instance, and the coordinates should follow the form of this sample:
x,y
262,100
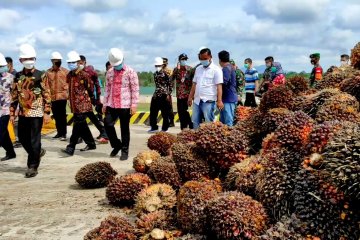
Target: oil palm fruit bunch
x,y
161,142
164,171
155,197
275,182
233,215
221,145
299,102
313,102
297,84
112,228
242,113
352,86
186,136
124,189
158,234
273,118
277,97
321,214
333,111
189,165
242,176
292,133
192,237
193,197
142,161
355,56
161,219
95,175
335,78
320,136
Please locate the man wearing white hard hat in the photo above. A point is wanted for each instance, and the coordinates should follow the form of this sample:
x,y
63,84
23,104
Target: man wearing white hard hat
x,y
80,97
6,80
56,76
120,101
32,93
161,98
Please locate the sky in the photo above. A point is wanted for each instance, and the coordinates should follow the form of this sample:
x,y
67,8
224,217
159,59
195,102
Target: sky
x,y
288,30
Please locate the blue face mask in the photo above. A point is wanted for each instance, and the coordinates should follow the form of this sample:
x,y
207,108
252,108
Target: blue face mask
x,y
118,67
182,63
4,69
273,69
72,66
205,63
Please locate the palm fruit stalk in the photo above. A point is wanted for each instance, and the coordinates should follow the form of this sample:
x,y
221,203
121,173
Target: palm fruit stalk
x,y
142,161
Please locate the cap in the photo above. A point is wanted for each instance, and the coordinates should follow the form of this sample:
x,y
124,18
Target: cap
x,y
183,56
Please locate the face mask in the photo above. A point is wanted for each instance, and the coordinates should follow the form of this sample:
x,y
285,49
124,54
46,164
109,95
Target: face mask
x,y
72,66
4,69
312,62
81,66
118,67
268,65
344,63
158,69
246,65
182,62
29,64
205,63
273,69
57,63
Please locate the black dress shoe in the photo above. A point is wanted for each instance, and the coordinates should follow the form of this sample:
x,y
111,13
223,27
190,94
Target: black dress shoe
x,y
124,155
68,151
56,136
172,124
114,152
88,148
31,172
8,157
42,152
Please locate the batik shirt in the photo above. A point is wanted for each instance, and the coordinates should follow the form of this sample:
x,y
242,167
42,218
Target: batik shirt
x,y
94,84
6,80
163,84
59,88
31,92
80,92
183,78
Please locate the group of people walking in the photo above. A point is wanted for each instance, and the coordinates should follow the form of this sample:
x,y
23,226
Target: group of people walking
x,y
32,95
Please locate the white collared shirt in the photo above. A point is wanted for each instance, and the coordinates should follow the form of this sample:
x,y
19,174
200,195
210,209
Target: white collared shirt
x,y
206,80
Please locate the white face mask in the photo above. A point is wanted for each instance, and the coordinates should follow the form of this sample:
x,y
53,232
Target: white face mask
x,y
29,64
81,66
158,69
344,63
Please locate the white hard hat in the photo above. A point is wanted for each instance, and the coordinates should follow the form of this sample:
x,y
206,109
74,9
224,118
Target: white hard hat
x,y
2,60
158,61
73,56
201,48
56,55
116,56
27,51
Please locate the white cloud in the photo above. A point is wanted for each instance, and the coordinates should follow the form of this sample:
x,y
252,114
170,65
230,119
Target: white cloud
x,y
134,27
8,18
93,23
96,5
349,17
54,37
173,19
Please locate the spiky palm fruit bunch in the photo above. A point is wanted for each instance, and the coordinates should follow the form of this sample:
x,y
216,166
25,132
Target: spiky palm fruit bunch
x,y
275,182
242,113
95,175
352,86
155,197
277,97
299,102
335,78
355,56
314,101
193,197
164,171
124,189
189,165
319,137
242,176
112,228
335,111
273,118
282,230
192,237
321,214
161,142
158,234
297,84
233,215
142,161
292,133
187,136
159,219
221,145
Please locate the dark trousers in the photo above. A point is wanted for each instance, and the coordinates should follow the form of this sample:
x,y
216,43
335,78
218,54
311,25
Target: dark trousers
x,y
98,124
184,115
5,140
30,138
111,116
81,130
159,103
59,112
171,112
250,100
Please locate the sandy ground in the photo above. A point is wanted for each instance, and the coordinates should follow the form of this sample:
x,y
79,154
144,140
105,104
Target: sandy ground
x,y
51,205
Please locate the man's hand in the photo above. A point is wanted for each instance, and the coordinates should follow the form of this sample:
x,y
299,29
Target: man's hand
x,y
133,110
104,109
220,105
47,119
190,101
168,98
12,120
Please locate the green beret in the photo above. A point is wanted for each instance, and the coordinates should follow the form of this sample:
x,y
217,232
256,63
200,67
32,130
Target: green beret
x,y
232,61
315,55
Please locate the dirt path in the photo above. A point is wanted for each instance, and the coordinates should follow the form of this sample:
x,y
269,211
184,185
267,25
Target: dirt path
x,y
51,205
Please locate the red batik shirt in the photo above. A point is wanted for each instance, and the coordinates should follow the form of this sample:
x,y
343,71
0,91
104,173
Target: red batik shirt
x,y
80,93
183,78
